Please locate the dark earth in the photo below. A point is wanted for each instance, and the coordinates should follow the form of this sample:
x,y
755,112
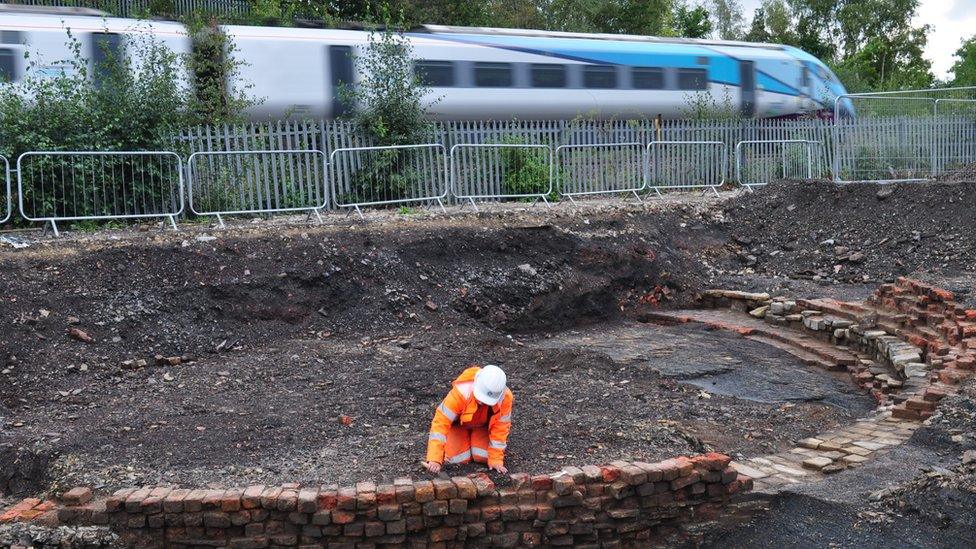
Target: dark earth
x,y
317,353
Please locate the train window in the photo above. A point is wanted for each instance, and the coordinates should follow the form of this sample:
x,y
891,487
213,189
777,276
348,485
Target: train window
x,y
692,79
600,76
645,78
436,74
493,75
548,76
11,37
8,65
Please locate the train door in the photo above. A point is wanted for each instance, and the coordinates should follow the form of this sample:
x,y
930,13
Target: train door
x,y
341,71
747,71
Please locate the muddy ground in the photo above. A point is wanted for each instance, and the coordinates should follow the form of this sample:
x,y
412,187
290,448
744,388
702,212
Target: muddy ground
x,y
286,332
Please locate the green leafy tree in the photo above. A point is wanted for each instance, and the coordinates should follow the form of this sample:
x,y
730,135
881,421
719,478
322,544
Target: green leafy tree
x,y
692,22
728,19
964,68
758,31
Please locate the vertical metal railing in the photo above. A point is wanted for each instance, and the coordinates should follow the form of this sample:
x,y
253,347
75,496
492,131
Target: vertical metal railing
x,y
222,183
8,198
603,168
382,176
92,186
501,171
686,165
760,162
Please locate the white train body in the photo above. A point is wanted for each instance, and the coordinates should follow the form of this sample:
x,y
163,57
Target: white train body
x,y
472,73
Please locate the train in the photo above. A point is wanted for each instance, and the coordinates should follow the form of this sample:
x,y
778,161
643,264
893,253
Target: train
x,y
470,73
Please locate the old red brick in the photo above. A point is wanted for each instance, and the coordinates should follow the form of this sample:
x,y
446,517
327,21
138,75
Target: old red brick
x,y
483,483
465,487
436,508
346,499
423,491
712,461
77,496
443,534
609,473
342,517
173,502
328,496
444,489
562,484
288,500
230,501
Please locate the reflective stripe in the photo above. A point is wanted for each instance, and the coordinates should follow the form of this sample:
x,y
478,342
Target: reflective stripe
x,y
479,452
438,436
498,445
506,418
463,456
447,412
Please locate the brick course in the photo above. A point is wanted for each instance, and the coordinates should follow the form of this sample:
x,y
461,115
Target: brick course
x,y
624,502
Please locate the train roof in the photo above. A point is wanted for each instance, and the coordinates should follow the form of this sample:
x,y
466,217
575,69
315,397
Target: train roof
x,y
530,33
20,9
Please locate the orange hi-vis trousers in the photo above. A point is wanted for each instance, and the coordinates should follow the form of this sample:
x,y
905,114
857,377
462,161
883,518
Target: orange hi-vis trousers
x,y
466,444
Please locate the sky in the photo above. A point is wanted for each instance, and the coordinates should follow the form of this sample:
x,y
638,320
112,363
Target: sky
x,y
952,21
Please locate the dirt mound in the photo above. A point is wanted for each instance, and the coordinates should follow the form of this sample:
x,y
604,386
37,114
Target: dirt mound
x,y
944,497
856,233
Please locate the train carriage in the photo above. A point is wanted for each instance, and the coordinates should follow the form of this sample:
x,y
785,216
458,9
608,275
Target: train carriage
x,y
472,73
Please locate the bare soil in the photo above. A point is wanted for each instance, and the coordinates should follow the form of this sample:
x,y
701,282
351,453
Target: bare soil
x,y
318,353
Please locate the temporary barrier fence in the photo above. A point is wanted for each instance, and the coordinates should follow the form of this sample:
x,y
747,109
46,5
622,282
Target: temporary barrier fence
x,y
759,162
96,185
500,171
223,183
7,196
606,168
398,174
687,165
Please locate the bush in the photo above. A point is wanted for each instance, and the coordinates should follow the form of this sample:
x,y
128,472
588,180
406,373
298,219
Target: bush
x,y
132,101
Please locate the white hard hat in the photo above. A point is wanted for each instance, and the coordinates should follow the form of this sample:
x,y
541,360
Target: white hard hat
x,y
489,385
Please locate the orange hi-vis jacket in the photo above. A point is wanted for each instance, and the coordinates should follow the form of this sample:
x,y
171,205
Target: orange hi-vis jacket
x,y
462,409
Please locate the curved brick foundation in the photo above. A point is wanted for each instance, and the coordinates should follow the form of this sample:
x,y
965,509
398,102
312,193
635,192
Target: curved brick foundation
x,y
622,504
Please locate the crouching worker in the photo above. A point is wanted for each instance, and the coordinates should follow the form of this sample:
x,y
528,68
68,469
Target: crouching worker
x,y
473,421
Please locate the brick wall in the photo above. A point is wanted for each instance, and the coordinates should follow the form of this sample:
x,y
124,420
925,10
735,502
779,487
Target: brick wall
x,y
623,504
919,332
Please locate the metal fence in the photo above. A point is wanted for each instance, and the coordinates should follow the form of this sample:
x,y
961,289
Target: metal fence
x,y
605,168
903,136
759,163
138,8
9,207
88,186
498,171
223,183
687,165
378,176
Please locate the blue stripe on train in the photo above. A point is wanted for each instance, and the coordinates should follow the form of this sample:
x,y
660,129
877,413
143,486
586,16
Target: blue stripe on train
x,y
722,69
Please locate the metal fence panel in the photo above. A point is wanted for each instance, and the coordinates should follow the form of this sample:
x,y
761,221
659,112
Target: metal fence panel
x,y
7,189
88,185
759,162
380,176
687,165
498,171
254,182
603,168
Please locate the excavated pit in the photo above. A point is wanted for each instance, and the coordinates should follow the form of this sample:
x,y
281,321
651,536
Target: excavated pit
x,y
318,354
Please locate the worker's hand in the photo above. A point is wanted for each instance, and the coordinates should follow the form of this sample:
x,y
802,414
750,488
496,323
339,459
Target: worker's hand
x,y
433,466
499,467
